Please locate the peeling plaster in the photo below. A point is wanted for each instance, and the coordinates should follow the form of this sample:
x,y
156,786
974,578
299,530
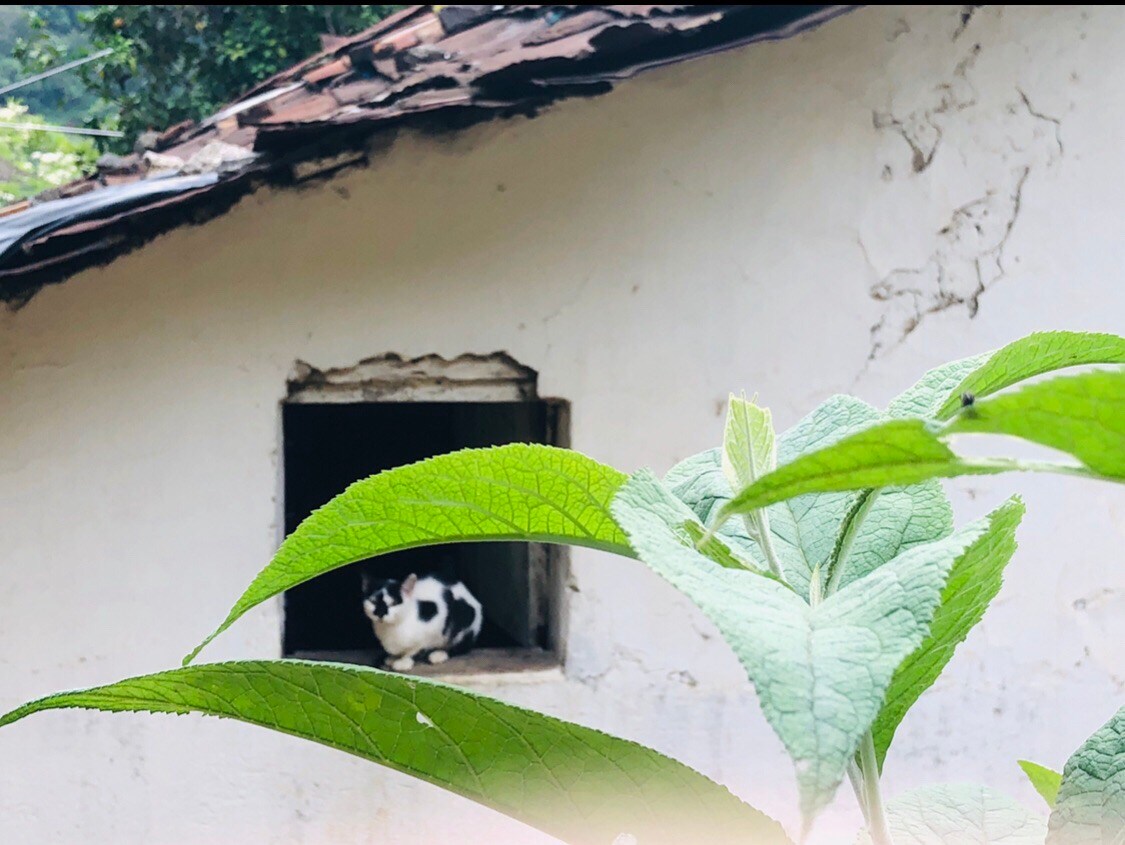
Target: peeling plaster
x,y
468,378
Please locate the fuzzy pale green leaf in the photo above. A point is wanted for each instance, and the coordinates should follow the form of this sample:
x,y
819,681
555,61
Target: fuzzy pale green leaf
x,y
801,659
973,582
1038,353
517,492
1090,807
749,451
938,393
1046,781
929,393
805,528
574,783
1082,414
717,548
898,519
965,814
896,452
1079,414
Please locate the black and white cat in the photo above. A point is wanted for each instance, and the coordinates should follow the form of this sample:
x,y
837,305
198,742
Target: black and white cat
x,y
425,618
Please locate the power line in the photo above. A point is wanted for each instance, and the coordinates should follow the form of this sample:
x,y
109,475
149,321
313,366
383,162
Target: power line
x,y
66,130
60,69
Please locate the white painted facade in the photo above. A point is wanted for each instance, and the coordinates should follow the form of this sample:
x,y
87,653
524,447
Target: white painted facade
x,y
738,222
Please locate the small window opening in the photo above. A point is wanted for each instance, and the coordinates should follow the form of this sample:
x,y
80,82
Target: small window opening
x,y
342,425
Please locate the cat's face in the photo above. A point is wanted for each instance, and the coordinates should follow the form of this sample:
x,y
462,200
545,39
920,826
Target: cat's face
x,y
385,600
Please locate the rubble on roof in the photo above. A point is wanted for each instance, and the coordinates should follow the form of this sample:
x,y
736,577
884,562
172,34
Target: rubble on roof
x,y
441,67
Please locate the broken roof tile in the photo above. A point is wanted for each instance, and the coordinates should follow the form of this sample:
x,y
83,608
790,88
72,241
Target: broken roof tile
x,y
328,71
300,109
445,65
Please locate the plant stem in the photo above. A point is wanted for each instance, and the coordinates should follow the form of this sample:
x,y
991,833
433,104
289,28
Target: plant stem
x,y
856,780
765,540
872,797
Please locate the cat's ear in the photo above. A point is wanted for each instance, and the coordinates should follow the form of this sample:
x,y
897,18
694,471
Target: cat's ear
x,y
408,584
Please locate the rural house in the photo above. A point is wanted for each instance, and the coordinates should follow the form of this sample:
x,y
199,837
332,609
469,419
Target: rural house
x,y
579,225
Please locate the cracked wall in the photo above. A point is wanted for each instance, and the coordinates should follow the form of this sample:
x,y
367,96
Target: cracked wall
x,y
970,131
711,227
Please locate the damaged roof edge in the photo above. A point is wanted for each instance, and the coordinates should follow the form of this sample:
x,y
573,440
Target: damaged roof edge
x,y
438,70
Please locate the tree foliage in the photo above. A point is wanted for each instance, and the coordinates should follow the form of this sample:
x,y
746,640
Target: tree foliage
x,y
64,98
173,63
32,160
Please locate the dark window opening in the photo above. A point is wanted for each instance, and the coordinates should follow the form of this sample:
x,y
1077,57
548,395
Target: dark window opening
x,y
327,446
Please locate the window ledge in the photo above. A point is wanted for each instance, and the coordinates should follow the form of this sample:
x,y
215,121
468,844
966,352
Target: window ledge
x,y
480,667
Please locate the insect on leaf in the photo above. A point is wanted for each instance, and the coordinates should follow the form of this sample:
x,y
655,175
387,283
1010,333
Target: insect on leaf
x,y
929,393
1082,414
1034,355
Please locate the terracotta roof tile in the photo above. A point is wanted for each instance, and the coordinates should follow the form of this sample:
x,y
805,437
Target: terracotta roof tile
x,y
447,68
328,71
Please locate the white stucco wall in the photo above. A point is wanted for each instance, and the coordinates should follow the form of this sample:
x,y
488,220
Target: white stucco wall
x,y
740,222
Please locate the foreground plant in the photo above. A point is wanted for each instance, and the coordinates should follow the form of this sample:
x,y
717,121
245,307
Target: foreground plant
x,y
826,557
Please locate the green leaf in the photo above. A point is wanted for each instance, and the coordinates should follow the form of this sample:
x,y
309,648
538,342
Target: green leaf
x,y
974,580
1090,807
938,393
1034,355
1046,781
926,397
1081,414
897,519
516,492
574,783
716,548
801,659
699,481
896,452
749,451
805,528
960,813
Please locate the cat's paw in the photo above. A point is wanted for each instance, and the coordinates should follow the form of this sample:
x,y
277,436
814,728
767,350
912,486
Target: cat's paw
x,y
402,664
438,656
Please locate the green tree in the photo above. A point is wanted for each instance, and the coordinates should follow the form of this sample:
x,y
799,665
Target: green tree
x,y
64,98
33,160
172,63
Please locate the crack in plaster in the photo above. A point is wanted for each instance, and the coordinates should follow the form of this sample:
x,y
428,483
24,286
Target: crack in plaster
x,y
922,129
569,302
969,253
967,260
1057,122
